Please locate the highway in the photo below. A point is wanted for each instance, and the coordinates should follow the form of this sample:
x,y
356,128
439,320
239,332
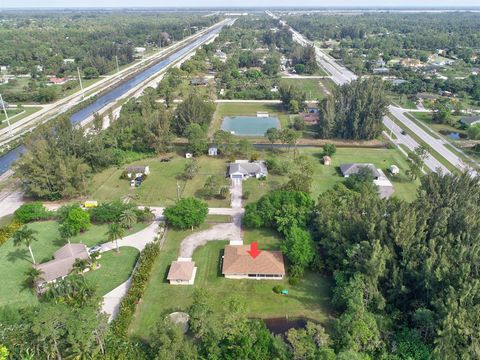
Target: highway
x,y
341,75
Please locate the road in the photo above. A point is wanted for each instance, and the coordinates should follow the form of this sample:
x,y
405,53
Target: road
x,y
341,75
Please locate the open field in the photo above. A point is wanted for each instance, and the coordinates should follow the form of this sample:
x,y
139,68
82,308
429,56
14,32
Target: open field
x,y
312,87
160,187
325,177
15,261
246,108
308,299
18,115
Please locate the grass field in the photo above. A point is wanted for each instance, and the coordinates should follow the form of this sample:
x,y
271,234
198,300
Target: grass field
x,y
312,87
18,115
308,299
15,261
237,109
160,187
325,177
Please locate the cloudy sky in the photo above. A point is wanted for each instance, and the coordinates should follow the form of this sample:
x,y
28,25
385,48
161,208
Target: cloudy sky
x,y
230,3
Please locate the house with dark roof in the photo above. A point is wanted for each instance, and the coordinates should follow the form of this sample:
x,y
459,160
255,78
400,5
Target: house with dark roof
x,y
182,272
356,168
238,264
62,263
470,120
134,172
243,169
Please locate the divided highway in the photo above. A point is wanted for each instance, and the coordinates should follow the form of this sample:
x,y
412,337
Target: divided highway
x,y
341,75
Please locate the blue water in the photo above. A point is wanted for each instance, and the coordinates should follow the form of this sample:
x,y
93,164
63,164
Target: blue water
x,y
249,125
8,159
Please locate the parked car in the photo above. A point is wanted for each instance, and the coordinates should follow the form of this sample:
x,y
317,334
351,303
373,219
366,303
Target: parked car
x,y
95,248
403,132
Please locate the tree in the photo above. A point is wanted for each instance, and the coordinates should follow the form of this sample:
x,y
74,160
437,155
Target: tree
x,y
128,218
197,139
25,236
293,106
225,142
76,220
310,342
300,176
90,73
191,169
417,159
245,148
79,266
194,109
32,211
298,246
299,69
289,92
211,187
115,232
186,213
272,135
33,275
329,149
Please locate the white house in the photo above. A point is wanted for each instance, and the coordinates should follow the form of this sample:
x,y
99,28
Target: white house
x,y
394,170
243,169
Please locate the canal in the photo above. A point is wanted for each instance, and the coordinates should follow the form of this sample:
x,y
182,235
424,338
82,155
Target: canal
x,y
7,160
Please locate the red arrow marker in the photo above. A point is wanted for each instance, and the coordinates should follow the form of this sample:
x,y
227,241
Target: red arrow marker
x,y
254,252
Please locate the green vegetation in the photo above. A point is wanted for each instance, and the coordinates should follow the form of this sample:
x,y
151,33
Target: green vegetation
x,y
18,116
311,87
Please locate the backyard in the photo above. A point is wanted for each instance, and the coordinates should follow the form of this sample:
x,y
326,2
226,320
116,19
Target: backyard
x,y
308,299
15,261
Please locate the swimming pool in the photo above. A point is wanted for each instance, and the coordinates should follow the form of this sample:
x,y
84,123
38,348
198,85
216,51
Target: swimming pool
x,y
249,125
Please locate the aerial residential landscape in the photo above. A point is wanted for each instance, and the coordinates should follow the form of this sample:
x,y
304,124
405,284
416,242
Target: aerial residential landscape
x,y
224,181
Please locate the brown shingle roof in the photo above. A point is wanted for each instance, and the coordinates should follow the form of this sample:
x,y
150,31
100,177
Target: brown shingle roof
x,y
181,270
62,263
237,260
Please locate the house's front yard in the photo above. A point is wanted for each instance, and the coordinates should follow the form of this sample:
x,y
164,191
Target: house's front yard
x,y
310,298
15,261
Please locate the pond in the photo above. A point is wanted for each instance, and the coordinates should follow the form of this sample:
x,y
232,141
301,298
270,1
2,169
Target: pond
x,y
281,325
453,135
249,125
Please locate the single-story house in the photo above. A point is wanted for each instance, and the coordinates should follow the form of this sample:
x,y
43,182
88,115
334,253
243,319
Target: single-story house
x,y
238,264
182,272
58,81
470,120
134,172
381,70
355,168
212,151
327,160
243,169
199,82
385,187
61,265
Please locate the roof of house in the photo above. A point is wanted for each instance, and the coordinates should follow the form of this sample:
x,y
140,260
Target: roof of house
x,y
247,168
199,81
136,169
237,260
470,120
181,270
55,80
63,261
355,168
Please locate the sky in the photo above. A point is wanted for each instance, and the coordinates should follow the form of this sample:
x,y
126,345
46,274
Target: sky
x,y
232,3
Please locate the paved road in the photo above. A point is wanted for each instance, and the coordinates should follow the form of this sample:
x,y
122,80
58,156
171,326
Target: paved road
x,y
341,75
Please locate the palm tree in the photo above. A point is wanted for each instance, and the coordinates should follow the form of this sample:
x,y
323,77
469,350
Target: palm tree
x,y
115,232
25,236
128,218
33,275
79,266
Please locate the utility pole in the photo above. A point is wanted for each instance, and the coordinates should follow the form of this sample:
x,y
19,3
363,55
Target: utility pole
x,y
80,80
178,191
6,116
116,60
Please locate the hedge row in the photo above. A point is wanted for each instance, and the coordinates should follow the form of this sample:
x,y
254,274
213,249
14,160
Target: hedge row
x,y
7,231
137,288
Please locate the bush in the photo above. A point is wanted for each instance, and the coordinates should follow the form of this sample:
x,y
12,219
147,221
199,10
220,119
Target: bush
x,y
139,281
277,289
6,232
75,222
186,213
109,212
33,211
246,194
145,215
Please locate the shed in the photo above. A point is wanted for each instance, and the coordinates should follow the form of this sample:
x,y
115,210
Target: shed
x,y
394,170
327,160
213,151
188,155
182,273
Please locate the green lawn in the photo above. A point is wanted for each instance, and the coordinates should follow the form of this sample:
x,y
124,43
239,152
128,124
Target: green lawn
x,y
115,269
311,87
15,261
17,115
308,299
160,187
245,109
325,177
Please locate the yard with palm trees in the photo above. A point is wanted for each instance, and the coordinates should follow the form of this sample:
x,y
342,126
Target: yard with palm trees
x,y
44,239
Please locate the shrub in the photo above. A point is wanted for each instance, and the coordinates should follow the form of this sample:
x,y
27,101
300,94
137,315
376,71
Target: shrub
x,y
33,211
145,215
76,221
109,212
246,194
139,281
186,213
6,232
277,289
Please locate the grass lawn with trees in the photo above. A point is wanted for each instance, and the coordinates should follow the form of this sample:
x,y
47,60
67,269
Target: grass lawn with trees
x,y
310,298
17,115
160,187
325,177
15,261
312,87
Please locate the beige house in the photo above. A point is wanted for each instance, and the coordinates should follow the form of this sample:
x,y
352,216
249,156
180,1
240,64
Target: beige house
x,y
238,264
182,272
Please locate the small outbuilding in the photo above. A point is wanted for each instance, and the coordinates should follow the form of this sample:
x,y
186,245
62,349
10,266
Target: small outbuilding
x,y
213,151
182,272
327,160
188,155
394,170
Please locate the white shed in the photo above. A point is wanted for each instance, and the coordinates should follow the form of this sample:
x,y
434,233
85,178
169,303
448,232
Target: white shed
x,y
394,170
